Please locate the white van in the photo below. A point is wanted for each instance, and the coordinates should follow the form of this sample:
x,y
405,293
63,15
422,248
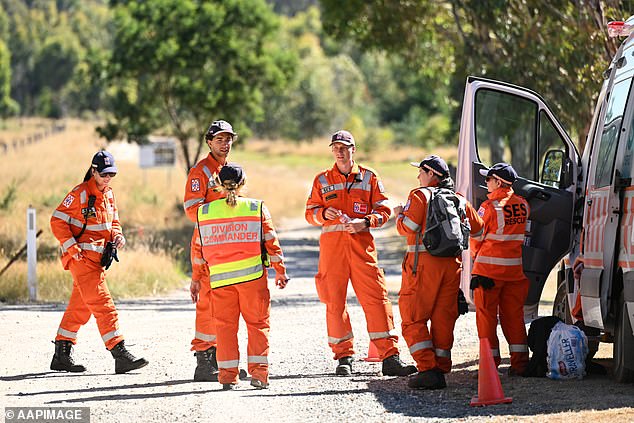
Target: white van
x,y
579,204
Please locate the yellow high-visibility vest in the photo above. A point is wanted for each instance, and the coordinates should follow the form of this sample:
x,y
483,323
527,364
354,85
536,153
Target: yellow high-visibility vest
x,y
231,240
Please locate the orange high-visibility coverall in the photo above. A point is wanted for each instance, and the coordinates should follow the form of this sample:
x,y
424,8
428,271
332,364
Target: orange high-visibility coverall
x,y
251,300
90,293
498,255
431,294
344,256
201,188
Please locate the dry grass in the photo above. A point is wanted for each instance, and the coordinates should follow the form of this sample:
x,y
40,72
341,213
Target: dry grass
x,y
150,200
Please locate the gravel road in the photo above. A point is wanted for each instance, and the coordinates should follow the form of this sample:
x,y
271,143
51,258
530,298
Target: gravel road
x,y
303,387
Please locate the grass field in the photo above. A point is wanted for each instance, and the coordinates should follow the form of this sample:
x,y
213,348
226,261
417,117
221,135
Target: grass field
x,y
39,174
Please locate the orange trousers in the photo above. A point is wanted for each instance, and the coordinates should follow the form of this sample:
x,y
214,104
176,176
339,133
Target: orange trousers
x,y
205,336
429,309
345,257
252,300
507,299
90,296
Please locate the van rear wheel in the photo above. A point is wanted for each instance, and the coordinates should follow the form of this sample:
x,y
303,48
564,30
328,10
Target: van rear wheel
x,y
623,351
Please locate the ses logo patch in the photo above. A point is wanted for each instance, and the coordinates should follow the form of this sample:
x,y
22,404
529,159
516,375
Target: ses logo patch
x,y
68,200
195,185
360,208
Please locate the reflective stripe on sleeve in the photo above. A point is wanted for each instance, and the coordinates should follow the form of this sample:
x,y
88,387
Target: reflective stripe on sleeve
x,y
198,260
270,236
192,202
66,218
276,258
411,224
68,243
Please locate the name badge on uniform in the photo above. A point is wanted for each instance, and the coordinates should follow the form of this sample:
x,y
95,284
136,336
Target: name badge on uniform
x,y
327,189
331,196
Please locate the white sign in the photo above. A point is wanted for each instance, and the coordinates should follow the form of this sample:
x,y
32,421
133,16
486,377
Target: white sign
x,y
158,154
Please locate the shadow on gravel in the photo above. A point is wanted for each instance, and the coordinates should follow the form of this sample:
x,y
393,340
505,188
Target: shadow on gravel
x,y
45,375
105,388
531,396
316,393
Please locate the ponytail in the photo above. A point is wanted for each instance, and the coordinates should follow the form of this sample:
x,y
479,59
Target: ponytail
x,y
88,174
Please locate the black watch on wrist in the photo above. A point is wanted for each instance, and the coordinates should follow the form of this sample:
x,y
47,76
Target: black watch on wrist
x,y
367,221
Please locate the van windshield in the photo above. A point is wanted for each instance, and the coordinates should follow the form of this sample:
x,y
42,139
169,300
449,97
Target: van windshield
x,y
610,134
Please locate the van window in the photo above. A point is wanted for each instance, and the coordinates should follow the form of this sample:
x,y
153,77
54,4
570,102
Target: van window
x,y
506,131
549,139
610,135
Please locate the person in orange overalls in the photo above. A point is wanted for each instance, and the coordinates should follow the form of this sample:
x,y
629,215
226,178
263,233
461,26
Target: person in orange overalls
x,y
498,281
83,224
201,188
234,232
430,285
346,201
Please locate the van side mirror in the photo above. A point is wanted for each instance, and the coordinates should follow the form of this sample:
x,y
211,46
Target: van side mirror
x,y
553,169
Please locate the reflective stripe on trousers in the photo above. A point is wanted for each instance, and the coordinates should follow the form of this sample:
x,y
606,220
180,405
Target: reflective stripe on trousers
x,y
67,333
205,337
518,348
332,340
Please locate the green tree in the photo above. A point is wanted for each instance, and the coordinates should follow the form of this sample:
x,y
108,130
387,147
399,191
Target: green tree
x,y
178,64
558,48
7,105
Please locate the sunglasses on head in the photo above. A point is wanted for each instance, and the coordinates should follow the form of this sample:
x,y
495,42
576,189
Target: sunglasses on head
x,y
106,174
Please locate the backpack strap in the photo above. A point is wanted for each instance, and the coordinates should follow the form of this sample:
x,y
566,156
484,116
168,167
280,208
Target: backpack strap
x,y
91,204
428,192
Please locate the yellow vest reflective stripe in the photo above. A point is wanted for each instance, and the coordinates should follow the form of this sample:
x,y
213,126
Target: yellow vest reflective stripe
x,y
231,240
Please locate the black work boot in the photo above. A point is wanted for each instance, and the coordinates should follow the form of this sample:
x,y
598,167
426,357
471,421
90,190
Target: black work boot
x,y
344,368
124,361
63,359
428,379
393,366
207,367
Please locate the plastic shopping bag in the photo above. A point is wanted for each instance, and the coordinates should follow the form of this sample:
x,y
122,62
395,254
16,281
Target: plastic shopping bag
x,y
567,351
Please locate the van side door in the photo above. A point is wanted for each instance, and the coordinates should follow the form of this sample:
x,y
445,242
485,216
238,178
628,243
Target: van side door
x,y
506,123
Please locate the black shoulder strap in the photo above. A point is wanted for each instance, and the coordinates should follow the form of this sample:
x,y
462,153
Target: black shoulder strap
x,y
91,204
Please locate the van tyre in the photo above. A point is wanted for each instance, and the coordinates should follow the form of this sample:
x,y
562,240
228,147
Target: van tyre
x,y
623,350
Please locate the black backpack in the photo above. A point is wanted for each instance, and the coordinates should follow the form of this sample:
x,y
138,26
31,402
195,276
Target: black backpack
x,y
538,335
447,227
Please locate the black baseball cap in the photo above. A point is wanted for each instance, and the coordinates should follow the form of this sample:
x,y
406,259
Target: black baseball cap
x,y
103,162
435,164
344,137
231,172
502,171
218,127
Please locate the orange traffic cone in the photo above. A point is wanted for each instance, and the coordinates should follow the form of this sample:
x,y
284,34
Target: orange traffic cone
x,y
489,386
373,354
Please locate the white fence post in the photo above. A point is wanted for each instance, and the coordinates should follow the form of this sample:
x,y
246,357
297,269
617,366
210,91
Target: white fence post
x,y
31,252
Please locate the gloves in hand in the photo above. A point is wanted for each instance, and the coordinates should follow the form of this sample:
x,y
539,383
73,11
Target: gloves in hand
x,y
463,307
109,253
483,281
